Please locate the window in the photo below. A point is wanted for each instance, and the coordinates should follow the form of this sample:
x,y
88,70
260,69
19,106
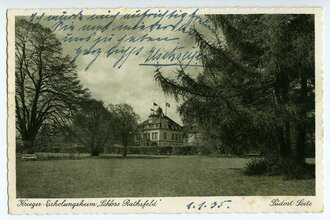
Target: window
x,y
165,135
173,136
154,135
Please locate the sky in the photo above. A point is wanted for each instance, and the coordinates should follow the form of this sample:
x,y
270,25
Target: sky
x,y
109,39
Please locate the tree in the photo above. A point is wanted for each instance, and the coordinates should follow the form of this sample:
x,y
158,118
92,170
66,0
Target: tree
x,y
126,123
47,87
257,85
94,126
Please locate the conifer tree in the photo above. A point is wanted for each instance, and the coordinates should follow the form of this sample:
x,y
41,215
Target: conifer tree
x,y
256,89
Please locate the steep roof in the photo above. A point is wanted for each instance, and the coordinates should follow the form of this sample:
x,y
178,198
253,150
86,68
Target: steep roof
x,y
146,122
167,118
158,114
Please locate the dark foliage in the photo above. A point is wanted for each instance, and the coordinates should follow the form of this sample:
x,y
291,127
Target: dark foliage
x,y
294,170
256,89
256,167
93,126
274,166
126,121
157,150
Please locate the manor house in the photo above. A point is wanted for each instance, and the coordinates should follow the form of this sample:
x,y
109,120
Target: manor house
x,y
159,130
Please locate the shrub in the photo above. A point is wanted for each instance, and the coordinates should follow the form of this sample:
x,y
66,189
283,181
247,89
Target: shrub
x,y
205,150
166,150
295,170
152,150
256,167
158,150
183,150
272,165
113,150
64,150
133,150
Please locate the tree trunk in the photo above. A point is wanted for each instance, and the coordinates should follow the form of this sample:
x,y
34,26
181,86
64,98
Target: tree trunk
x,y
301,125
94,149
95,152
300,145
282,98
124,140
125,150
28,143
284,142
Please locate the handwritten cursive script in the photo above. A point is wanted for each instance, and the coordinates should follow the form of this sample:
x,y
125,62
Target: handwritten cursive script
x,y
146,37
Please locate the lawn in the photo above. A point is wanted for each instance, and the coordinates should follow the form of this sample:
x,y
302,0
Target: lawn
x,y
149,176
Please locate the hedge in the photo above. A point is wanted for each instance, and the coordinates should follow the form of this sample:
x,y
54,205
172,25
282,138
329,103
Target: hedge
x,y
64,150
147,150
157,150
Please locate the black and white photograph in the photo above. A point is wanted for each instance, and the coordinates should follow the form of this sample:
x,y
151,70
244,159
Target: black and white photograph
x,y
134,105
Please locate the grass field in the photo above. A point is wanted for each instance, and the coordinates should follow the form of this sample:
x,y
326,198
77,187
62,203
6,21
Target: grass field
x,y
149,176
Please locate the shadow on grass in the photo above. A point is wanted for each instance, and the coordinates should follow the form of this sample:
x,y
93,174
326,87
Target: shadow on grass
x,y
150,157
247,156
80,157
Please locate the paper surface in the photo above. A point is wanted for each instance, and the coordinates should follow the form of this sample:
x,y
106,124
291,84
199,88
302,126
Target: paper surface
x,y
117,52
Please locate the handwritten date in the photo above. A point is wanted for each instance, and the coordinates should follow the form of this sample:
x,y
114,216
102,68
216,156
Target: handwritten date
x,y
208,205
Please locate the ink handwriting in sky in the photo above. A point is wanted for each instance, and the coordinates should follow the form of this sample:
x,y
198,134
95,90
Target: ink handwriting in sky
x,y
144,38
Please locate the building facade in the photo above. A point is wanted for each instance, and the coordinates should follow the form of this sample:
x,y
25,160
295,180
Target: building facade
x,y
159,130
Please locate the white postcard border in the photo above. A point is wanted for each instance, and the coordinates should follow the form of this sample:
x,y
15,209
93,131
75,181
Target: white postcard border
x,y
238,204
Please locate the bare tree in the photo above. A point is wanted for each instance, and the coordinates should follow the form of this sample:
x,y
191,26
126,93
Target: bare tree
x,y
47,87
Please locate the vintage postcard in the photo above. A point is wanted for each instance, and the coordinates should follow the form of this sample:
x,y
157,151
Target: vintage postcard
x,y
165,110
